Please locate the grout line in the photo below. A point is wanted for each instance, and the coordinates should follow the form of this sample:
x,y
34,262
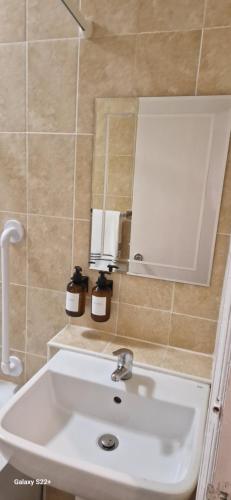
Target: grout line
x,y
117,314
86,133
46,289
47,133
20,42
171,311
173,297
27,188
43,215
111,35
209,28
75,164
195,317
12,212
31,287
199,62
201,45
113,196
116,35
50,216
55,40
39,356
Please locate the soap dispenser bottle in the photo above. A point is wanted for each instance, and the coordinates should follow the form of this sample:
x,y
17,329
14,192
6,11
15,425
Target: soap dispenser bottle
x,y
101,298
76,293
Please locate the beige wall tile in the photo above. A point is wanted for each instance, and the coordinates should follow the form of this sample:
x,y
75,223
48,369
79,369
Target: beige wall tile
x,y
106,326
215,67
122,131
33,364
12,87
46,317
170,15
100,130
204,301
98,177
134,16
81,243
122,204
112,17
13,172
194,334
186,362
17,314
166,63
17,252
51,174
111,61
109,105
120,176
218,13
126,238
146,292
84,161
225,212
85,338
52,100
50,242
97,201
144,324
12,20
50,19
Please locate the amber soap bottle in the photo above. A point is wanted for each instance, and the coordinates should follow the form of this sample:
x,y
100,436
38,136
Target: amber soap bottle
x,y
76,293
101,298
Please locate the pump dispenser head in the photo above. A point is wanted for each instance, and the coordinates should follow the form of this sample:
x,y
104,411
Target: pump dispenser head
x,y
102,282
79,279
77,276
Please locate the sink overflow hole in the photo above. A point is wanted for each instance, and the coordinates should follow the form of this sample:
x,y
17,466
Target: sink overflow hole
x,y
108,442
117,400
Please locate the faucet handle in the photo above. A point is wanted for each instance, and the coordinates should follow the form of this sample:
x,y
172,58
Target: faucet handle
x,y
124,365
124,354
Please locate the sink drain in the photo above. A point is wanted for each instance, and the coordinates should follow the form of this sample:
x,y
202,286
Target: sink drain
x,y
108,442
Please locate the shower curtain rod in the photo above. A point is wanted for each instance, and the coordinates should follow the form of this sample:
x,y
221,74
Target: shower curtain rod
x,y
84,24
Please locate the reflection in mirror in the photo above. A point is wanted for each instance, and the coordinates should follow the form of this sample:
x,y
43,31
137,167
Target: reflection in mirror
x,y
158,174
112,185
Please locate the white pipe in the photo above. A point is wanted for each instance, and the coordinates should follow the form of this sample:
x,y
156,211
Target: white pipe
x,y
13,233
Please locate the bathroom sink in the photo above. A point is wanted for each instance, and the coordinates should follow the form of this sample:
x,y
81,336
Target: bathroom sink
x,y
139,439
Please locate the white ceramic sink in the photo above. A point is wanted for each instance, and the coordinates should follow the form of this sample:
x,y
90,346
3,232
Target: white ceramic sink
x,y
50,429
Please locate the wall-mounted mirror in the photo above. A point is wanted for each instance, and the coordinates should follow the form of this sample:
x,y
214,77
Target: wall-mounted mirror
x,y
158,174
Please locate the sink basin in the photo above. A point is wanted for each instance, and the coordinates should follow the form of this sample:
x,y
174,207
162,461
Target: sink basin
x,y
52,429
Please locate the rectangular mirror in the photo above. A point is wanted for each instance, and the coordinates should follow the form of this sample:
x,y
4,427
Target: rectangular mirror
x,y
158,175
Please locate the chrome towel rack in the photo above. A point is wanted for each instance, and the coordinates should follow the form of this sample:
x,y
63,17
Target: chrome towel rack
x,y
13,232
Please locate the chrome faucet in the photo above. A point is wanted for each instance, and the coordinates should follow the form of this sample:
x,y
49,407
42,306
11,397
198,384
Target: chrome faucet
x,y
124,365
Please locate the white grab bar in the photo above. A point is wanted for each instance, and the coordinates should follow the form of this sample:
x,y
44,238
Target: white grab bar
x,y
13,233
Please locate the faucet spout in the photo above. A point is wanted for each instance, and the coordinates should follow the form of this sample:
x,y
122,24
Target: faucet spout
x,y
124,365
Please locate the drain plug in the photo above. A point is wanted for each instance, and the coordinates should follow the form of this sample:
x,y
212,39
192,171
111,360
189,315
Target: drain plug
x,y
108,442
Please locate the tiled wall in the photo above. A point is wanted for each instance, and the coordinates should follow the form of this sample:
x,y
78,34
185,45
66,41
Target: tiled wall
x,y
49,79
